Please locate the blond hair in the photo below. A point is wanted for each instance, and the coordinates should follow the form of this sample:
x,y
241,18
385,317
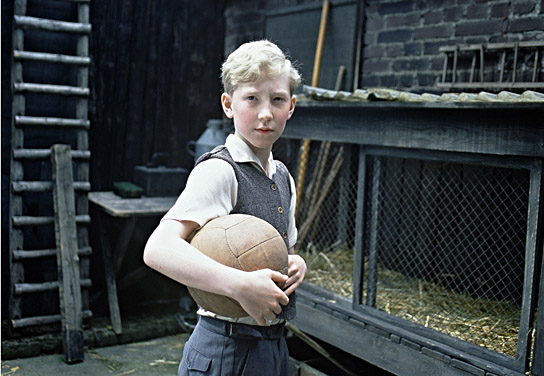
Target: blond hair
x,y
255,60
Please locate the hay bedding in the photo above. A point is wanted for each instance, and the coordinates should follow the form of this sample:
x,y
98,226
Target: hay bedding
x,y
488,323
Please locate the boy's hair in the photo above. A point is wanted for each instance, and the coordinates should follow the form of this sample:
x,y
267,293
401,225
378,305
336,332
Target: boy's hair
x,y
254,60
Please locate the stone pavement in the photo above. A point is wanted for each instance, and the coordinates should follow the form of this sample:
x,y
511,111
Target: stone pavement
x,y
151,344
146,358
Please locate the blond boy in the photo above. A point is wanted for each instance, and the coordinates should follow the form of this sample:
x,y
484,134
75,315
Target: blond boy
x,y
239,177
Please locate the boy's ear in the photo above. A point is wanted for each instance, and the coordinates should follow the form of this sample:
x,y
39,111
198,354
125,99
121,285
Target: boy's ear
x,y
226,103
292,109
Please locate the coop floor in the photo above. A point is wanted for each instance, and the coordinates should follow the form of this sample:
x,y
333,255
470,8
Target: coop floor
x,y
488,323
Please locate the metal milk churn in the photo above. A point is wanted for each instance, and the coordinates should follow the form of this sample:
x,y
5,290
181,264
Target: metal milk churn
x,y
210,138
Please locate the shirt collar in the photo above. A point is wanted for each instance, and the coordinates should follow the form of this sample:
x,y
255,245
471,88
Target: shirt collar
x,y
242,153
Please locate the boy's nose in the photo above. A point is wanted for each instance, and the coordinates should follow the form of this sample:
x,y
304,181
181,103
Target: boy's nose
x,y
265,114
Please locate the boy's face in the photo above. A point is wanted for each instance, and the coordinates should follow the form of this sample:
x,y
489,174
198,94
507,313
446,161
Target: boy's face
x,y
260,110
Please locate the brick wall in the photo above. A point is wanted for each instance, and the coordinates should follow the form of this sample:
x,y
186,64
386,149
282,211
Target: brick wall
x,y
402,37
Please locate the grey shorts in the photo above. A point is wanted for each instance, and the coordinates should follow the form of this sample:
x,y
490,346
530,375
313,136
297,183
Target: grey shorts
x,y
221,348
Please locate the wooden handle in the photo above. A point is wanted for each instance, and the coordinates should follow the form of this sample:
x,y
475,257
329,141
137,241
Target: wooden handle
x,y
320,42
315,82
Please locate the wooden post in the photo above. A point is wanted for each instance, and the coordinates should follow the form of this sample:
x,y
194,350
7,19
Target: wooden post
x,y
305,151
67,254
109,271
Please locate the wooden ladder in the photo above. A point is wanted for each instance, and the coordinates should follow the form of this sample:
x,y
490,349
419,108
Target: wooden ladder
x,y
479,54
31,153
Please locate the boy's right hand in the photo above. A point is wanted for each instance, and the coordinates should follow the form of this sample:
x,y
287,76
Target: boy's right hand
x,y
260,296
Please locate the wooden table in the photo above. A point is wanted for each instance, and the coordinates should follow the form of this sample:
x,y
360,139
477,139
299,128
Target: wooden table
x,y
113,252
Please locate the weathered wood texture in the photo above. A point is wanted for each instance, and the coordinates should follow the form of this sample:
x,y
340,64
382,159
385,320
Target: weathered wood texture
x,y
6,36
375,338
67,254
49,100
117,206
505,129
538,361
155,72
114,245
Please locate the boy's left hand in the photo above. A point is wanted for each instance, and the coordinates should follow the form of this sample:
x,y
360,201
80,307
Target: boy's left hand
x,y
296,273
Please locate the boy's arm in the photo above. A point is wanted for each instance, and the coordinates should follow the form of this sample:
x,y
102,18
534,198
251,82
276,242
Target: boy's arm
x,y
168,252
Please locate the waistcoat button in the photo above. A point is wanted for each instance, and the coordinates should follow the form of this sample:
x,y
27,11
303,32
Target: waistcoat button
x,y
280,210
273,187
285,235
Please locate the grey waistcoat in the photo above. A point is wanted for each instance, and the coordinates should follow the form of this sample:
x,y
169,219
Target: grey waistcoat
x,y
265,198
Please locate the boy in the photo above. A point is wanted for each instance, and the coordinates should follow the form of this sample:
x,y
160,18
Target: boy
x,y
239,177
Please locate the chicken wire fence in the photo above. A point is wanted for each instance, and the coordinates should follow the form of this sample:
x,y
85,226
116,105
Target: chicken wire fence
x,y
443,241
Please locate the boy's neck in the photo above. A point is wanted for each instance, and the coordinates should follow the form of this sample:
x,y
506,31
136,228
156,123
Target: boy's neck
x,y
262,155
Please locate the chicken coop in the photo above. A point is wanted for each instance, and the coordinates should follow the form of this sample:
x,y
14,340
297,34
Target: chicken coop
x,y
424,237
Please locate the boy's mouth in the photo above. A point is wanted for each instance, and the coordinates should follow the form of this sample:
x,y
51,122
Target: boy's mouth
x,y
264,130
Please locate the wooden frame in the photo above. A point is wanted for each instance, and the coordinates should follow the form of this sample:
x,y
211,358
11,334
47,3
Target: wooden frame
x,y
508,133
521,360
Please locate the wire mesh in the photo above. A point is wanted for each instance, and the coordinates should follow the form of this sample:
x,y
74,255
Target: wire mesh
x,y
443,242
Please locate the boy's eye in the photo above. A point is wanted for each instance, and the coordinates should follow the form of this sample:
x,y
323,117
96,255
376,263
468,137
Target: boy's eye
x,y
251,98
280,99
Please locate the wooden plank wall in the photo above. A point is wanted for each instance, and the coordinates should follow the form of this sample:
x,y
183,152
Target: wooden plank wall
x,y
155,82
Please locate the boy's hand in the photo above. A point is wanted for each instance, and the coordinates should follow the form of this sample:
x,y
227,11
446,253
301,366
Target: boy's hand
x,y
259,295
296,273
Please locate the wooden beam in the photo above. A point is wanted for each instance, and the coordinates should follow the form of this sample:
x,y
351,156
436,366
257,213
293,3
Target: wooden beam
x,y
19,254
46,153
51,58
28,288
43,221
27,22
51,121
67,257
50,89
44,186
42,320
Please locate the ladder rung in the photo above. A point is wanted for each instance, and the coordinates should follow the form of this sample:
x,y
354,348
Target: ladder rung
x,y
27,22
50,89
26,220
44,186
39,253
46,153
42,320
51,58
491,46
52,121
28,288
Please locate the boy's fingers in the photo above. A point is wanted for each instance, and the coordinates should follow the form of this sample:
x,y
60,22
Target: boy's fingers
x,y
279,277
261,321
284,299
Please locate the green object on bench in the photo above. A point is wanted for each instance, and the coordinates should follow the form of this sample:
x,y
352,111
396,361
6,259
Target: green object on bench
x,y
127,189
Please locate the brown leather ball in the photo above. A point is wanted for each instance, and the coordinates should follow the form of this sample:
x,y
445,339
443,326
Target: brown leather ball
x,y
243,242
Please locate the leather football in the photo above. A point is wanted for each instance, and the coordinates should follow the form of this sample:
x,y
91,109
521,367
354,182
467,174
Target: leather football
x,y
243,242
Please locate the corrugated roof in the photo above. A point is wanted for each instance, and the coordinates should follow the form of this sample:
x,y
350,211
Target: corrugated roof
x,y
383,94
